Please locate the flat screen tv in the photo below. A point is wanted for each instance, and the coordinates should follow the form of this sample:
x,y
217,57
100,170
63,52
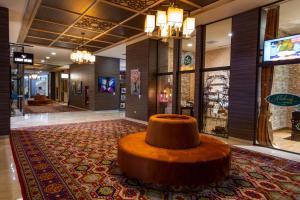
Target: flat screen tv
x,y
286,48
106,84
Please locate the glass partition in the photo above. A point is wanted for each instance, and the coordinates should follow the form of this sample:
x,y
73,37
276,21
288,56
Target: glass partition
x,y
164,94
218,44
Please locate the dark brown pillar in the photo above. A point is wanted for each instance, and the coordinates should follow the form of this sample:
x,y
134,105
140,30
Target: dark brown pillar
x,y
52,86
176,81
4,73
243,75
200,53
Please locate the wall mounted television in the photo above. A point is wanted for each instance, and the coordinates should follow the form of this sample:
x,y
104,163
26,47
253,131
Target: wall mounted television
x,y
106,84
282,49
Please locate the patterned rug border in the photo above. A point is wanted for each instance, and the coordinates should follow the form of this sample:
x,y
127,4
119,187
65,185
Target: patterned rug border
x,y
72,123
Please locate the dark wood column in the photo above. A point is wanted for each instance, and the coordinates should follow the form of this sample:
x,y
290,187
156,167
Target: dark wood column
x,y
176,79
52,86
243,75
200,53
4,73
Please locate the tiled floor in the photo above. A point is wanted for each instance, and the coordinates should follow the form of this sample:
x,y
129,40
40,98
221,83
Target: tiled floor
x,y
8,175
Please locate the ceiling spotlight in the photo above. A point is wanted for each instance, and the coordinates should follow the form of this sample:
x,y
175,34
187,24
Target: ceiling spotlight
x,y
230,34
53,53
47,57
189,44
42,61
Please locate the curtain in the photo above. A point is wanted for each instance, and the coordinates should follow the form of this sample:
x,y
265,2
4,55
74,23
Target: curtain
x,y
265,132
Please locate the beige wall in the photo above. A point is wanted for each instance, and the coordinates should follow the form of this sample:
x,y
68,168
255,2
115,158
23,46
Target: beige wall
x,y
217,58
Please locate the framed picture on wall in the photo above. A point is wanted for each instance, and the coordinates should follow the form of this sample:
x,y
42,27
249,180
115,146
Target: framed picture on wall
x,y
123,90
123,97
122,105
135,81
106,84
78,87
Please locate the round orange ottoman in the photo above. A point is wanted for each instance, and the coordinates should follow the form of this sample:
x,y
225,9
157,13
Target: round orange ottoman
x,y
150,158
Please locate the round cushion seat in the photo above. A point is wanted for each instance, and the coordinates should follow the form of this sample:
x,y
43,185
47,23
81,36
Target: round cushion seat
x,y
206,163
172,131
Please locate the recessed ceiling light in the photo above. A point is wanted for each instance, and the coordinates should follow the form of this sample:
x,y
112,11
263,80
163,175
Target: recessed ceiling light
x,y
189,44
229,34
53,53
42,61
47,57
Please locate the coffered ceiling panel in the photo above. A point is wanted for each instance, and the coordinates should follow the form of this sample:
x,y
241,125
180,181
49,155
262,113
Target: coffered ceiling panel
x,y
70,39
109,12
98,44
138,22
48,26
59,23
78,32
123,31
42,34
110,38
203,2
78,6
57,16
94,24
134,4
185,6
40,41
65,45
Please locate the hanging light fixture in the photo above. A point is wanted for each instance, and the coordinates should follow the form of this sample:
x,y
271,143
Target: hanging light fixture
x,y
33,76
170,23
81,55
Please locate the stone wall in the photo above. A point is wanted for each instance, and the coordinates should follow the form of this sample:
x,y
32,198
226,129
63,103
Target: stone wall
x,y
285,80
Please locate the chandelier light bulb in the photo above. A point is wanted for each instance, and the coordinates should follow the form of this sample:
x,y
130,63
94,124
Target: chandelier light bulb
x,y
188,26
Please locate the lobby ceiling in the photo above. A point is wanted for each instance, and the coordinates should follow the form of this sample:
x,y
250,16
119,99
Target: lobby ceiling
x,y
59,23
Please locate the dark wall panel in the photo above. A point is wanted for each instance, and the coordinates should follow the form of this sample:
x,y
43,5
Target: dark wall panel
x,y
86,74
52,86
142,56
107,67
243,74
4,73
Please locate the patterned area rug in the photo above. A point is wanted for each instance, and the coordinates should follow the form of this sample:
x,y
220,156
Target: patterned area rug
x,y
78,161
50,108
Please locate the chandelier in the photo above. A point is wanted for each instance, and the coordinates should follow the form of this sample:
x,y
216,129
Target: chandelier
x,y
81,55
170,23
33,76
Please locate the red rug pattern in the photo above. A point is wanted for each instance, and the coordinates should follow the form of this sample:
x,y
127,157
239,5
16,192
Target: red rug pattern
x,y
78,161
50,108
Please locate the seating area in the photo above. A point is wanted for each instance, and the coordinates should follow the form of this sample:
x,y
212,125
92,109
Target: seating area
x,y
39,100
173,147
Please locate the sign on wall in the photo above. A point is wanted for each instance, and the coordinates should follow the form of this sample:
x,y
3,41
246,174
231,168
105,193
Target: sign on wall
x,y
23,58
283,99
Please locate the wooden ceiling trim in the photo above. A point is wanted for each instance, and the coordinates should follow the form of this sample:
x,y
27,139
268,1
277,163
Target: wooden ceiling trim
x,y
191,4
30,36
131,27
81,16
128,19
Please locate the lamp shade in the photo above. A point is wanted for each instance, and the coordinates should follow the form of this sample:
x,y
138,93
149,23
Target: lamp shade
x,y
188,26
161,18
175,17
150,23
